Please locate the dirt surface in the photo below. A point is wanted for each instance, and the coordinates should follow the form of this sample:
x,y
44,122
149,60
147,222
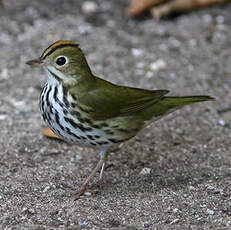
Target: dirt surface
x,y
174,175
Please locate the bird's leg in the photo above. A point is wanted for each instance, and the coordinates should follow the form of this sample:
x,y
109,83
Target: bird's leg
x,y
100,164
103,155
84,186
100,182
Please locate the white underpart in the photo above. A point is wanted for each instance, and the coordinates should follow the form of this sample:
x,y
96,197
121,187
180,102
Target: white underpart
x,y
51,84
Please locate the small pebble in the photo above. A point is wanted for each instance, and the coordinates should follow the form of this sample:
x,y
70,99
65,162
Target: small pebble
x,y
228,223
136,52
193,42
2,116
210,187
159,64
191,68
220,19
20,105
210,212
89,7
87,193
221,123
172,76
47,188
175,221
191,188
149,74
4,74
28,210
163,47
219,191
83,223
78,157
50,152
147,225
175,43
179,131
145,171
207,18
31,90
175,210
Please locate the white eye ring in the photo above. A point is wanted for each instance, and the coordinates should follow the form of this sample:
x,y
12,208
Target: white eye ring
x,y
61,61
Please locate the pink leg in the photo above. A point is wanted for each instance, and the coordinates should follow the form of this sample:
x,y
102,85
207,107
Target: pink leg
x,y
100,164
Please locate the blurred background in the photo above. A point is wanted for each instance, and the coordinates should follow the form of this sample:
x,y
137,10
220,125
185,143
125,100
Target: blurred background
x,y
189,156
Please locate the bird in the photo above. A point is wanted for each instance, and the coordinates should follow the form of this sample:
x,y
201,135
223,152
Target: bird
x,y
89,111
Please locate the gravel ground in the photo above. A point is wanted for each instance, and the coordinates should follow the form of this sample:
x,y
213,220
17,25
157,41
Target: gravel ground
x,y
174,175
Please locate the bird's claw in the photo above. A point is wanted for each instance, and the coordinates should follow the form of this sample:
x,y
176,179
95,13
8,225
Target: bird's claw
x,y
80,192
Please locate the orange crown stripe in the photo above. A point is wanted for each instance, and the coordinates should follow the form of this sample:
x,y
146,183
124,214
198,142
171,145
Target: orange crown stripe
x,y
57,45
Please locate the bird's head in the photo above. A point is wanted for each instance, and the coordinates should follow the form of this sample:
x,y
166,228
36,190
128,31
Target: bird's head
x,y
64,62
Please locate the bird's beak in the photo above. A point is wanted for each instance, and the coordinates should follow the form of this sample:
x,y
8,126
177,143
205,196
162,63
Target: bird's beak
x,y
35,62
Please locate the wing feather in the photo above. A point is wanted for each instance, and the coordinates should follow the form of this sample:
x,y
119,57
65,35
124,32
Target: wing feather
x,y
112,101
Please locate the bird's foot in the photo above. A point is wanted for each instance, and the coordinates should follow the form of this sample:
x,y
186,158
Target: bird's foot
x,y
101,165
80,192
93,190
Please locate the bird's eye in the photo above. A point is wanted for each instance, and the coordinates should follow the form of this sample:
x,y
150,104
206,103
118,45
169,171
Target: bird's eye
x,y
61,61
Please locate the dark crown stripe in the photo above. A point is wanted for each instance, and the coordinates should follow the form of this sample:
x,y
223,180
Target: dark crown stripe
x,y
57,45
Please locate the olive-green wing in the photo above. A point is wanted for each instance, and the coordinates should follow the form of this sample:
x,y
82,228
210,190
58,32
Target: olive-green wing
x,y
111,101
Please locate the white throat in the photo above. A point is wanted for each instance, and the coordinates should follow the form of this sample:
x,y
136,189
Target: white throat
x,y
54,76
51,80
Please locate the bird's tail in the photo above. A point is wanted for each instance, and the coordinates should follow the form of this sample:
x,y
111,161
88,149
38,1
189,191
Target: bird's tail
x,y
170,104
174,102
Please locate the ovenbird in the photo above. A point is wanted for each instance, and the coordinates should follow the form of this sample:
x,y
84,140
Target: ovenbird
x,y
89,111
